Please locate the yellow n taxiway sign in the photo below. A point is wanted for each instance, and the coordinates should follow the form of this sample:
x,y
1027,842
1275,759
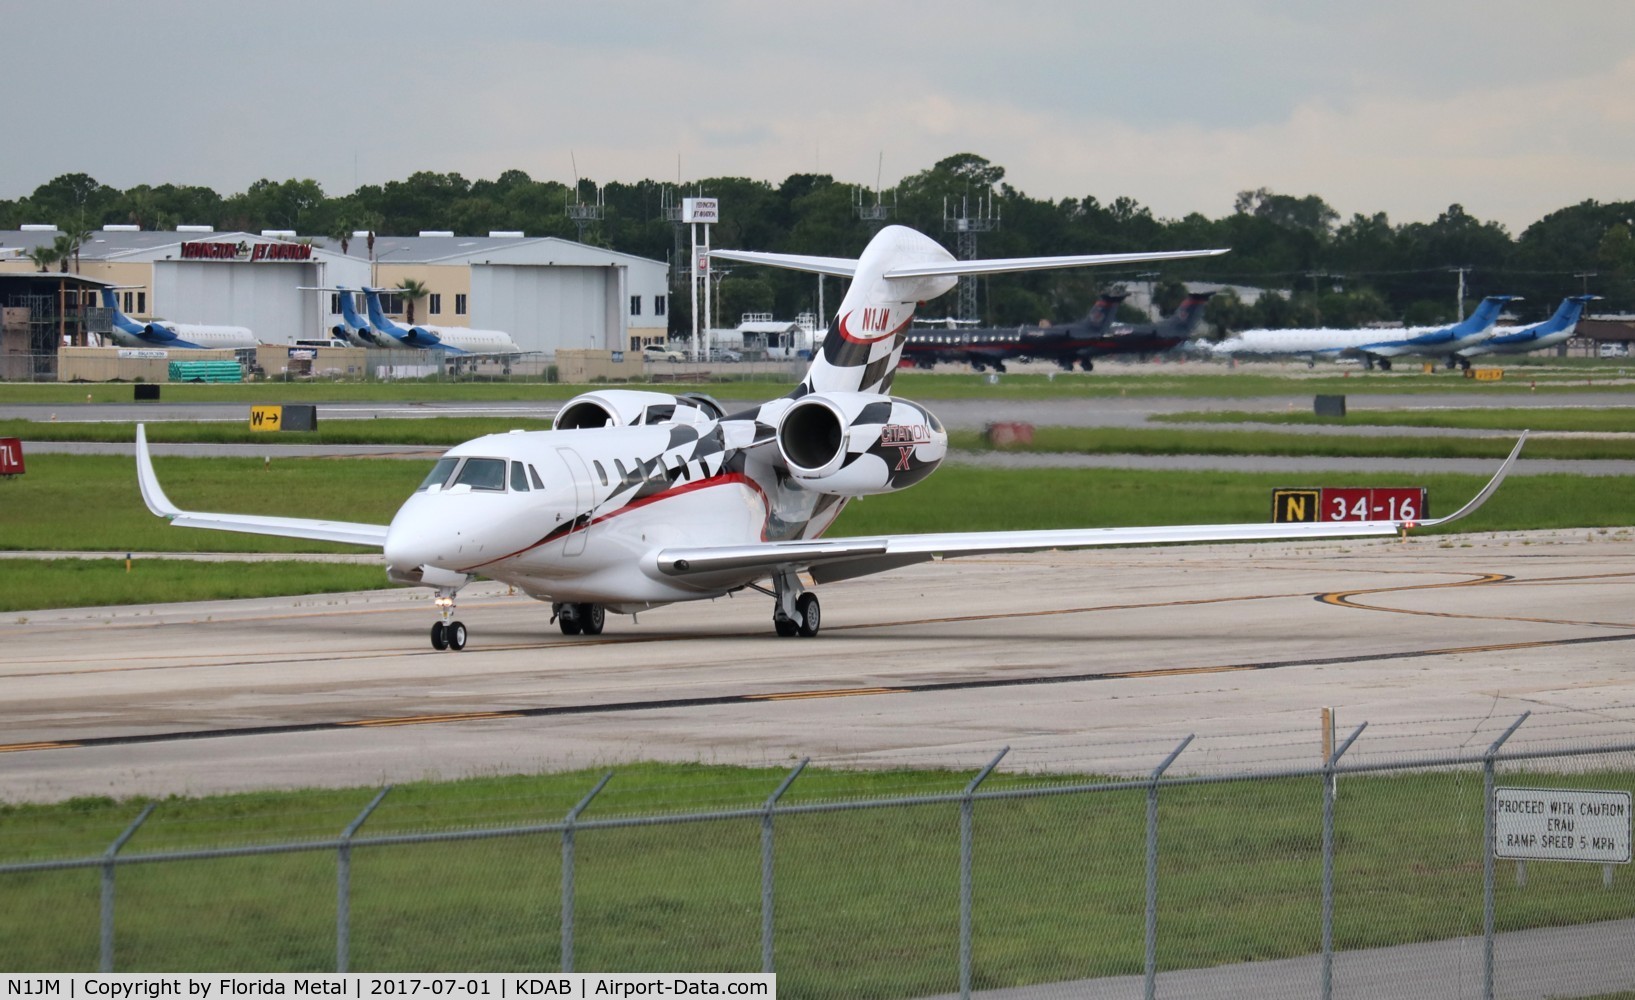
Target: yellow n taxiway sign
x,y
266,418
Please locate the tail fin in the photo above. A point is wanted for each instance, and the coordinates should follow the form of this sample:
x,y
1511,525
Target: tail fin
x,y
1483,316
1567,314
121,322
1101,314
899,269
349,312
1189,315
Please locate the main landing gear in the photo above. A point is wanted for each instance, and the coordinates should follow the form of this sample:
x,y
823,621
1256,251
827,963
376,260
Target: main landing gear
x,y
576,618
796,611
447,634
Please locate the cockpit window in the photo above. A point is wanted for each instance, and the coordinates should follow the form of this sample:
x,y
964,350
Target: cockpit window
x,y
533,474
519,478
482,474
438,475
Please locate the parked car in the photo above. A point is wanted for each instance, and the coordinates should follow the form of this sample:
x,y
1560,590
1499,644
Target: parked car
x,y
725,354
659,352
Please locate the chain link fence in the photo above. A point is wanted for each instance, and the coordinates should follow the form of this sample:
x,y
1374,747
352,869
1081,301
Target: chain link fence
x,y
1178,871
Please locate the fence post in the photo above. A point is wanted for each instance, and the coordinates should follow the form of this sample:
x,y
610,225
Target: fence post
x,y
106,963
966,810
1487,854
1328,860
766,863
343,885
1152,866
567,872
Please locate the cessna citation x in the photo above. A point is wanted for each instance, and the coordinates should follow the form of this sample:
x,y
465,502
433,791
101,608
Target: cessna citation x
x,y
639,499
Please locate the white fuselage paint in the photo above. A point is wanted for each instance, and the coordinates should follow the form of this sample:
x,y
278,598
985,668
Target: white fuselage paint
x,y
578,540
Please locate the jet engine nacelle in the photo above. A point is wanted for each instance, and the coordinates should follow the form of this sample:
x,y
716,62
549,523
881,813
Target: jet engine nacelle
x,y
856,444
633,408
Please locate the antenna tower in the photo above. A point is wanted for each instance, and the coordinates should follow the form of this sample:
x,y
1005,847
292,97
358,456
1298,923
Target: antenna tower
x,y
583,215
967,224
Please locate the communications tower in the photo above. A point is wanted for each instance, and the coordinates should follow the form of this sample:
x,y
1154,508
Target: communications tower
x,y
966,225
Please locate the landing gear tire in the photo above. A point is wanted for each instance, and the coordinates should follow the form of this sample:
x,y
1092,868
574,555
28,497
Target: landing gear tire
x,y
569,625
455,633
591,618
785,627
808,615
1088,365
439,636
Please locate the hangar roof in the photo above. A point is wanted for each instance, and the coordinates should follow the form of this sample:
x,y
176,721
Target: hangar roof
x,y
106,245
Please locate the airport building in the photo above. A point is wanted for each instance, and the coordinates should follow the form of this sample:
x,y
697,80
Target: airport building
x,y
547,293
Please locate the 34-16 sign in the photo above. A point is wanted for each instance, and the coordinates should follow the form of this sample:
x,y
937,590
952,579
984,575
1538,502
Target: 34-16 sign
x,y
1349,504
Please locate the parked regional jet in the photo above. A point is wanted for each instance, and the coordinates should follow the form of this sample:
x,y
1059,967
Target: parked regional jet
x,y
1521,340
638,499
128,332
352,328
453,339
1083,343
1373,346
983,348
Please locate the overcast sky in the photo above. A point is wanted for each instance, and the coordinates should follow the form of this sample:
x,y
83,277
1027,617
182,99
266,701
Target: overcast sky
x,y
1512,109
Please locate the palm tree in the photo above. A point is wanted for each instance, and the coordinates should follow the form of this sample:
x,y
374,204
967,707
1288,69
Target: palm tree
x,y
65,247
412,292
42,256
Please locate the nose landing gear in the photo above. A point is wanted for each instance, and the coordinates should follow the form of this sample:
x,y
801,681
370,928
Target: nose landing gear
x,y
447,634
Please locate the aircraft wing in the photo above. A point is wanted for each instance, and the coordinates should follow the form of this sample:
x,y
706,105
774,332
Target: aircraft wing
x,y
351,532
845,558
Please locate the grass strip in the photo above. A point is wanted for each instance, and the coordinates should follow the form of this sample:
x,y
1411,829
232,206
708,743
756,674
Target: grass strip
x,y
1582,419
1164,441
442,431
1184,380
83,583
91,502
867,901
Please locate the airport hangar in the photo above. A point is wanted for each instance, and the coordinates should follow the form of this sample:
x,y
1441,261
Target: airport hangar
x,y
548,293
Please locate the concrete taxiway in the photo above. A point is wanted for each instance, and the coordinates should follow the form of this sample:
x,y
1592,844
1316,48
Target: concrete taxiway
x,y
1080,661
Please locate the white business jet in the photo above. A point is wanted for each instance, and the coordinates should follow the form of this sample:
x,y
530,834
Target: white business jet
x,y
639,499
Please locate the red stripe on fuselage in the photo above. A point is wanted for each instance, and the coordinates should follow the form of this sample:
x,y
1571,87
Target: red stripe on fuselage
x,y
725,479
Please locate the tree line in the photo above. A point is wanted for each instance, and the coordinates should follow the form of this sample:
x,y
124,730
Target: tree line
x,y
1325,270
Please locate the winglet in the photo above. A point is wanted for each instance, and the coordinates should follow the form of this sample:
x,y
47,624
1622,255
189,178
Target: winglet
x,y
1487,491
152,494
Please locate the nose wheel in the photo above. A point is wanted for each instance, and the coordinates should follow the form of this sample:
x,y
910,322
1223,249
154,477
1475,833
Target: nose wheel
x,y
447,634
451,635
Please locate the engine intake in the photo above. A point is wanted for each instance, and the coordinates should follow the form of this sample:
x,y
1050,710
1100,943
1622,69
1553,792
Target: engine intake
x,y
859,444
633,408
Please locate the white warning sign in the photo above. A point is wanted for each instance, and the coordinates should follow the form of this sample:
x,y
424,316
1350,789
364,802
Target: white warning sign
x,y
1561,824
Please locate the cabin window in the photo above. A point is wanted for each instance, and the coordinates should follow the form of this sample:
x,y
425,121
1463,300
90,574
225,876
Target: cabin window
x,y
519,478
534,475
623,475
439,474
482,474
601,473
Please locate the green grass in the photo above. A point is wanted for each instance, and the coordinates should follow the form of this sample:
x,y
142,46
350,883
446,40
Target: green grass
x,y
1583,419
1142,441
440,431
78,583
1169,380
867,901
449,431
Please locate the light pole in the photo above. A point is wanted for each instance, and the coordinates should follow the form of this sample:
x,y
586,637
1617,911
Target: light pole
x,y
1151,278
